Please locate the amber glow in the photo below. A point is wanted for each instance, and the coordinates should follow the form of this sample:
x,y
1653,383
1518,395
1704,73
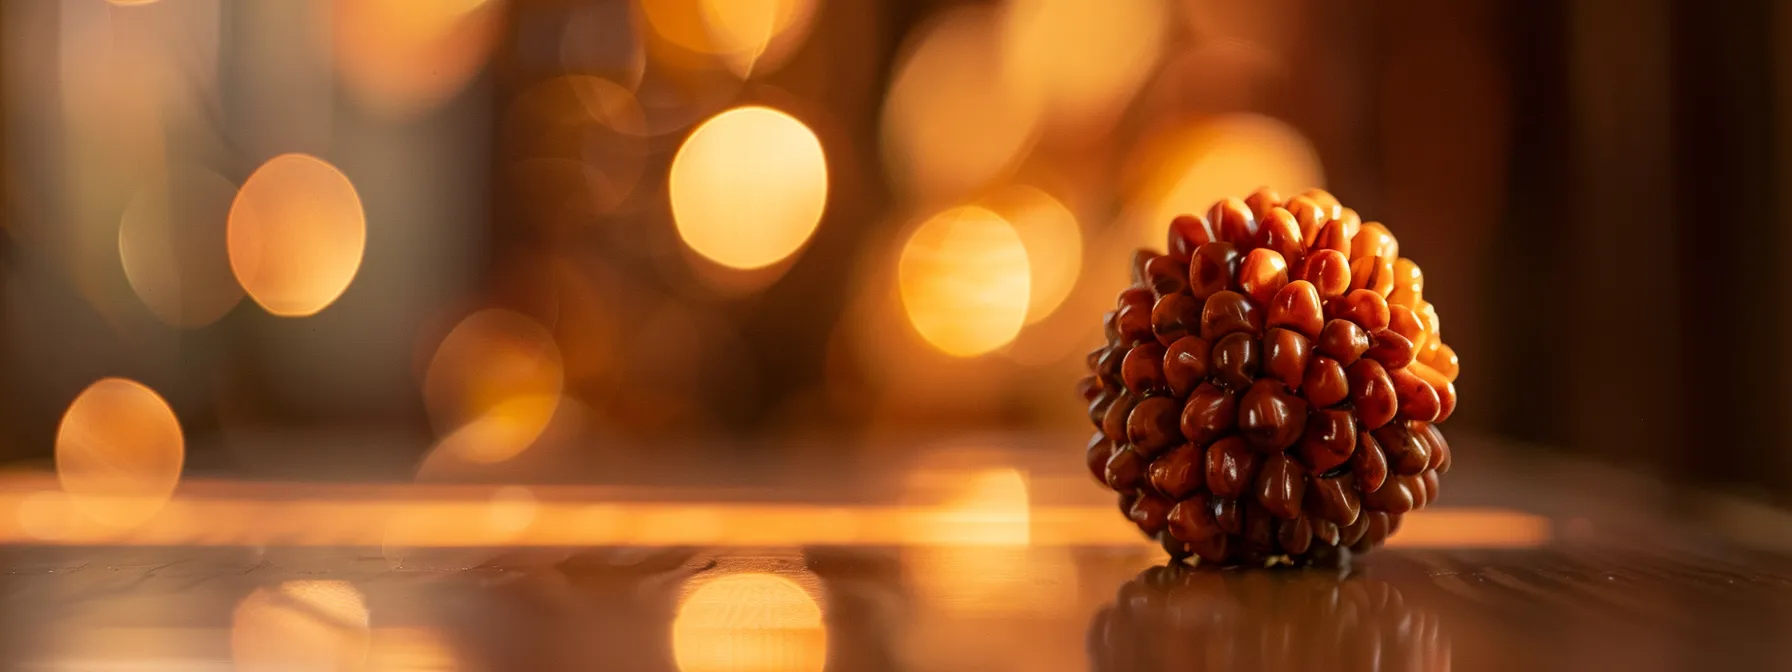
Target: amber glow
x,y
296,233
1228,156
953,123
496,377
1085,58
749,622
965,281
755,35
400,57
300,625
119,452
1054,243
171,241
748,187
232,514
512,510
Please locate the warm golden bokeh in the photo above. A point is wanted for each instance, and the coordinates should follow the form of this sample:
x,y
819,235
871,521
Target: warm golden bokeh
x,y
512,510
990,508
300,625
296,235
119,452
411,650
1054,243
749,622
171,241
748,187
46,515
953,122
497,375
402,57
1085,58
1230,155
754,36
965,280
501,432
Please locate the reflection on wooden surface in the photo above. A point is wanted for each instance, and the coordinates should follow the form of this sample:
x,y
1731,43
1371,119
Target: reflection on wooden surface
x,y
990,566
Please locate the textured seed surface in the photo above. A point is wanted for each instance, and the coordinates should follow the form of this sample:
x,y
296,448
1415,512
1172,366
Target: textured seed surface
x,y
1268,388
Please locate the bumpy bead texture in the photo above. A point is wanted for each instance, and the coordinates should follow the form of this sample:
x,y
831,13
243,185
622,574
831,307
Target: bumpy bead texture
x,y
1270,388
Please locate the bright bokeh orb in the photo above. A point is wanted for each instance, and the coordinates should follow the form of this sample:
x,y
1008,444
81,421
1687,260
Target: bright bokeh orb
x,y
1085,58
171,242
749,622
953,122
756,35
1054,243
300,625
965,279
402,57
119,452
1231,155
296,234
748,187
497,374
747,36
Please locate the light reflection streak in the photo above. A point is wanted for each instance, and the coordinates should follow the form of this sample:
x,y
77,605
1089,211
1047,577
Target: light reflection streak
x,y
215,513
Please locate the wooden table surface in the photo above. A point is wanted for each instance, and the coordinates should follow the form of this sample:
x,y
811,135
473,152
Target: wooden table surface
x,y
1627,574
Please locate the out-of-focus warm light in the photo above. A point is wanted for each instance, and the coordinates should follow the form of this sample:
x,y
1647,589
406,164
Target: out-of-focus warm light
x,y
1053,240
979,507
1084,57
300,625
171,242
965,281
749,622
748,36
497,375
296,234
507,429
401,57
748,187
1230,155
753,35
46,515
410,650
119,452
512,510
953,123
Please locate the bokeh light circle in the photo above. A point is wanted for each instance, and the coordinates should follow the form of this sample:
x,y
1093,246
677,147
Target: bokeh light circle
x,y
119,452
1228,155
749,621
171,242
498,375
953,122
1085,58
965,281
402,57
1054,243
296,235
748,187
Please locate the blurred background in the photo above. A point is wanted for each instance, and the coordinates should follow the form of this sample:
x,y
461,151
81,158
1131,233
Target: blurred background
x,y
534,240
613,284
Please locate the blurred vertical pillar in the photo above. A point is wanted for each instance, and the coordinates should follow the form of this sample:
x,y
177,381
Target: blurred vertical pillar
x,y
1443,131
1782,106
1617,223
1724,210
